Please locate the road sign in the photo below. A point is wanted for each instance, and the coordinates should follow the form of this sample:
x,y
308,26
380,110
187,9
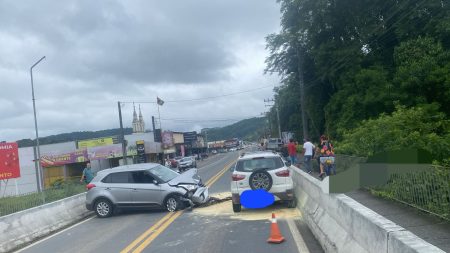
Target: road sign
x,y
9,160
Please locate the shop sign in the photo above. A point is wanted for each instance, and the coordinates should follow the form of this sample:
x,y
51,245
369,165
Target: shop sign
x,y
97,142
9,160
52,160
140,146
105,152
167,139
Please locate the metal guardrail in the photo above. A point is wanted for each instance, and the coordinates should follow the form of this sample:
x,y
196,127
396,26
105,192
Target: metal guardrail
x,y
18,203
427,190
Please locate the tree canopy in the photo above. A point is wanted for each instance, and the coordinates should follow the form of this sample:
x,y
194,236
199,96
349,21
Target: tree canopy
x,y
360,60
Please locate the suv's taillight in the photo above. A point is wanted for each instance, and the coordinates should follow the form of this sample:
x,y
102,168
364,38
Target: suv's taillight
x,y
237,177
90,186
283,173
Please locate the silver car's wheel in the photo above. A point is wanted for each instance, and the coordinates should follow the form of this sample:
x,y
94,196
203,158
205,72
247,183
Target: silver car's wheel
x,y
173,203
260,179
103,208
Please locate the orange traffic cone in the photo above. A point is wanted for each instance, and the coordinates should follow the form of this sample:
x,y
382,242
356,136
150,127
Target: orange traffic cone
x,y
275,235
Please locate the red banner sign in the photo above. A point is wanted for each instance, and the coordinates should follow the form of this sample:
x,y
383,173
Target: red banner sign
x,y
9,161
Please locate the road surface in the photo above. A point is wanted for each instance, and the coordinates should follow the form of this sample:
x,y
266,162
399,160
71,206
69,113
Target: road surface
x,y
209,229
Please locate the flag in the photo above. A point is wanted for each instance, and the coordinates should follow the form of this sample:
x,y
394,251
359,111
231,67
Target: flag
x,y
159,101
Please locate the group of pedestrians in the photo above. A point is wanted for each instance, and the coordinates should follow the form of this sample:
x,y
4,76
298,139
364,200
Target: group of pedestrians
x,y
324,153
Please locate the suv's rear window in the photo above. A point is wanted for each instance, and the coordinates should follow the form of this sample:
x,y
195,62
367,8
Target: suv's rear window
x,y
267,163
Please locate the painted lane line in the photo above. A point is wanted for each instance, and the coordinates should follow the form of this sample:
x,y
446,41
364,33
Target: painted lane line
x,y
152,233
161,229
147,232
298,238
47,238
208,183
213,163
219,174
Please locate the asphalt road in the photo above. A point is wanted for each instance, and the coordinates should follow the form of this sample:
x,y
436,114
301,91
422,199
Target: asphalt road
x,y
211,229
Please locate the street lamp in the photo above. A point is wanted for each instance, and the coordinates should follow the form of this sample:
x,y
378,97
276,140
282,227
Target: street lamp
x,y
38,158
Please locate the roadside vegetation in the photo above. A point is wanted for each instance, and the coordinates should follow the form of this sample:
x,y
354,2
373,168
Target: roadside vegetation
x,y
376,73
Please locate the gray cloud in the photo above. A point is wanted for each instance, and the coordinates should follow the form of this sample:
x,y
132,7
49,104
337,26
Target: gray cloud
x,y
99,52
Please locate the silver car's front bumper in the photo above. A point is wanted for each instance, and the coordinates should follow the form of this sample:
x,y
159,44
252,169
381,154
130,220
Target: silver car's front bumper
x,y
201,195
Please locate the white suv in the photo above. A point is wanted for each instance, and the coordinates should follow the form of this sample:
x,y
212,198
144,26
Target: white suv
x,y
262,170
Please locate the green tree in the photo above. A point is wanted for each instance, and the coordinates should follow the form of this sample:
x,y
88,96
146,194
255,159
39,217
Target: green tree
x,y
422,127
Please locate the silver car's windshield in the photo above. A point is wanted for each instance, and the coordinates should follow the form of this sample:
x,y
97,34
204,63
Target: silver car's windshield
x,y
185,159
163,173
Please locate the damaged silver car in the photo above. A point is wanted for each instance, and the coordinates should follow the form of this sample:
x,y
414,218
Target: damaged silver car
x,y
144,186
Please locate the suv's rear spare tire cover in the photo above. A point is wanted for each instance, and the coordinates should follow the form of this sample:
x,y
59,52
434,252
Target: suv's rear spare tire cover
x,y
260,179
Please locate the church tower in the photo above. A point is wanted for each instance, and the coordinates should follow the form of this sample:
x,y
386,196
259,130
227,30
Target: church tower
x,y
141,121
135,120
138,123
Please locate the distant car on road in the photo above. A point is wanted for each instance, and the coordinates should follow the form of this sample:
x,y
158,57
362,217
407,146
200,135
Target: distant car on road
x,y
264,170
186,163
145,185
275,144
214,151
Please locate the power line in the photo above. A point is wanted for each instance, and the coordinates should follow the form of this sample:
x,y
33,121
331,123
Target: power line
x,y
186,120
204,98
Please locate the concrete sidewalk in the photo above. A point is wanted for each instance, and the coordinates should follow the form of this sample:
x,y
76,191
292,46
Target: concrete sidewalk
x,y
430,228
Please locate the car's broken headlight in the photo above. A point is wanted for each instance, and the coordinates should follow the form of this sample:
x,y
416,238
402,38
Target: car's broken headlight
x,y
188,187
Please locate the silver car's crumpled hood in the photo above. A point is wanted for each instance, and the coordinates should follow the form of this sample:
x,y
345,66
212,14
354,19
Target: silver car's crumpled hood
x,y
188,177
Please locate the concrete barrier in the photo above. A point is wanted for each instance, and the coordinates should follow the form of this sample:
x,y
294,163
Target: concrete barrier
x,y
20,228
341,224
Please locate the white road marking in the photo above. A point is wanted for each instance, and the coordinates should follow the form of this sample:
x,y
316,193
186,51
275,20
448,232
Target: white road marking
x,y
213,163
301,246
51,236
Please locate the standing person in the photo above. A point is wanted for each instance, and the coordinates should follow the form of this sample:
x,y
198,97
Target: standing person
x,y
326,153
292,150
168,163
87,175
308,149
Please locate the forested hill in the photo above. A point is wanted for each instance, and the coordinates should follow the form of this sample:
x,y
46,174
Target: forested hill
x,y
74,136
248,129
376,73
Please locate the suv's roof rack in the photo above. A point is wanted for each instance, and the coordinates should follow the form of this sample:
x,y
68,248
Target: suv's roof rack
x,y
258,151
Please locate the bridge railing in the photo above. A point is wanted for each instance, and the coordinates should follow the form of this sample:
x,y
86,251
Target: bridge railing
x,y
427,190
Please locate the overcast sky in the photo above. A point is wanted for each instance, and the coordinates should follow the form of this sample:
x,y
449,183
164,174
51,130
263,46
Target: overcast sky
x,y
101,52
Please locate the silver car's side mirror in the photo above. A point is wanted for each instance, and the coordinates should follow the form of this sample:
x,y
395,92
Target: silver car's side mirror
x,y
155,182
288,163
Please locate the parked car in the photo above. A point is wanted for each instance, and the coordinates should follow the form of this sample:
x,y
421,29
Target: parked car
x,y
145,185
264,170
186,163
214,151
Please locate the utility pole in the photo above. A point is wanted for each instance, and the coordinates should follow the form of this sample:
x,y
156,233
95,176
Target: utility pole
x,y
278,113
302,93
268,128
37,156
122,133
206,141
